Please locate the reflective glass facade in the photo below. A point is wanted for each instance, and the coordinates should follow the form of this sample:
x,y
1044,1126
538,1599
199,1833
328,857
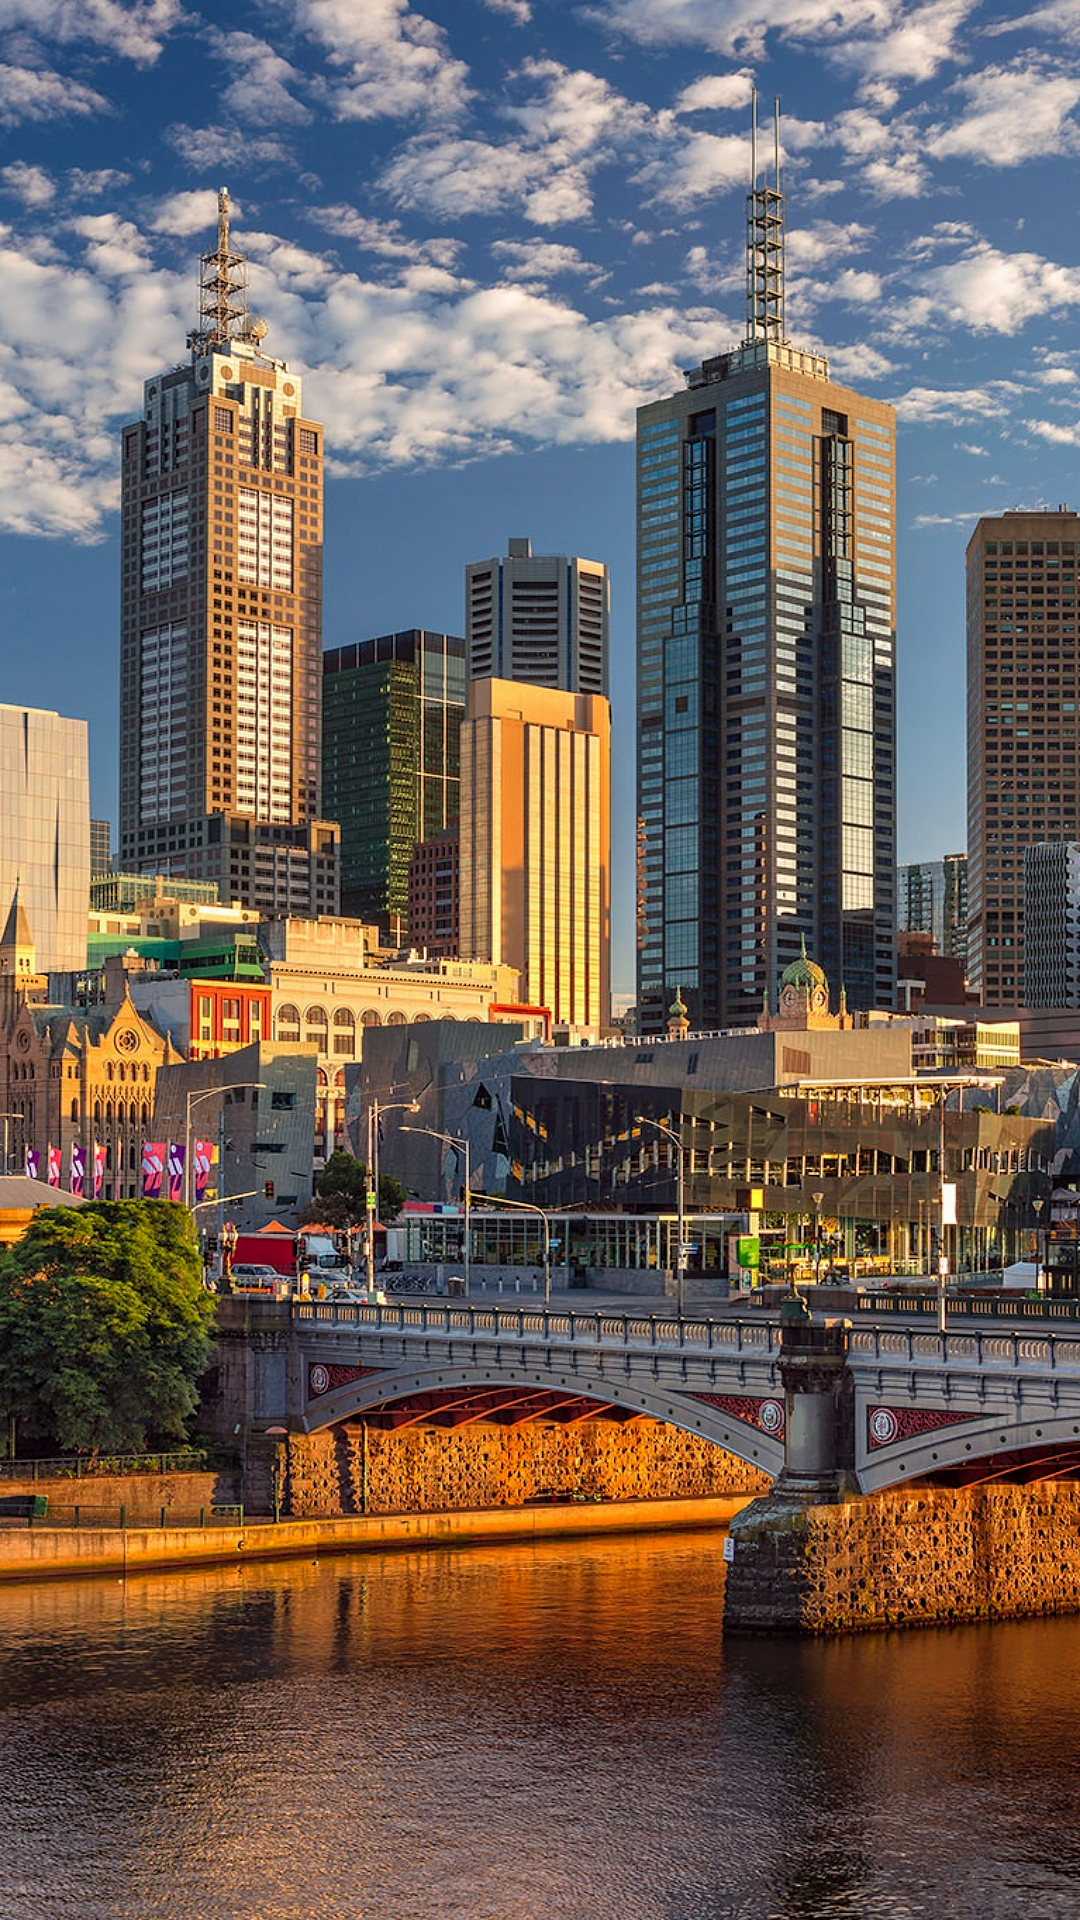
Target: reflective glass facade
x,y
766,755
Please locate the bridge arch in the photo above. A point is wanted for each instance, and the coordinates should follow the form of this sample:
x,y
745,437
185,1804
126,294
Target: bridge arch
x,y
378,1391
996,1442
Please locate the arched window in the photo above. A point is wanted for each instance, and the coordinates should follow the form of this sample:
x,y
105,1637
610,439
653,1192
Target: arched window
x,y
315,1028
287,1023
418,1017
74,1113
396,1020
370,1018
145,1117
97,1113
344,1033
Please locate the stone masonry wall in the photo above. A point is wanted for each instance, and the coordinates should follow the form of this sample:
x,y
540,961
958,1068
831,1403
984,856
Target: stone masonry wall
x,y
906,1557
99,1497
438,1469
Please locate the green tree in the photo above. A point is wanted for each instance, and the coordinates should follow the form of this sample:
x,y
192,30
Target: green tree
x,y
341,1193
104,1327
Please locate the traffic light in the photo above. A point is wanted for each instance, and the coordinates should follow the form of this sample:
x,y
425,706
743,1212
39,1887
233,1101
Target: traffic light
x,y
268,1189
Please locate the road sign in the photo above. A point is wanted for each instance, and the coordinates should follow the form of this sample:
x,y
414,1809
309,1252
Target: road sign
x,y
370,1199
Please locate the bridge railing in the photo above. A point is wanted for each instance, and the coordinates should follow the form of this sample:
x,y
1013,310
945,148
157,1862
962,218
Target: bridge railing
x,y
975,1349
655,1332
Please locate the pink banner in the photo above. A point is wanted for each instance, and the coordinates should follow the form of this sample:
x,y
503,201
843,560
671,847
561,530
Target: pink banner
x,y
176,1171
204,1160
99,1172
153,1168
56,1161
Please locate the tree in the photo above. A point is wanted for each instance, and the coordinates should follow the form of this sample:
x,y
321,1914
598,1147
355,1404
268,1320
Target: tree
x,y
341,1193
104,1326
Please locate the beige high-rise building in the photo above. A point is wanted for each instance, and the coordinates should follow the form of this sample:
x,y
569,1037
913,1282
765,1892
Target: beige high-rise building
x,y
536,843
45,830
1023,676
221,624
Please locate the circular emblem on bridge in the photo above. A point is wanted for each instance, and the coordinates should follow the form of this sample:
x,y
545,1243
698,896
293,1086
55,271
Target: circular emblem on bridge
x,y
884,1426
771,1416
318,1379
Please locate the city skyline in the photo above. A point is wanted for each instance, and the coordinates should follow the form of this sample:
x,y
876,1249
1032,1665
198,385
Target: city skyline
x,y
500,248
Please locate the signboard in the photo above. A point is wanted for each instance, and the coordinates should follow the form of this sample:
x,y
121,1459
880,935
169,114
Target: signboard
x,y
948,1203
729,1548
370,1202
749,1250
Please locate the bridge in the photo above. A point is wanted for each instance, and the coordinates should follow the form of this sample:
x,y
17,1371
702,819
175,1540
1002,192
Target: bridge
x,y
972,1404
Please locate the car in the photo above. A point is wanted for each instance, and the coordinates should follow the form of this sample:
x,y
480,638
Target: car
x,y
251,1271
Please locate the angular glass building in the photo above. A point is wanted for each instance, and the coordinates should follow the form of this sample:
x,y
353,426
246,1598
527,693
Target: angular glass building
x,y
392,714
766,685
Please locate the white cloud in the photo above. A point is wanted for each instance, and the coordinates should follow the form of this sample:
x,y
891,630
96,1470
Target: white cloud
x,y
385,238
90,184
1015,113
135,29
37,93
261,82
519,11
32,185
930,405
395,64
991,291
968,446
1057,376
539,259
694,166
1055,432
204,149
717,93
194,212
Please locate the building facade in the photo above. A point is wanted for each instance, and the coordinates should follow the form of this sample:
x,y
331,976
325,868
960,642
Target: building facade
x,y
931,897
392,713
45,829
1023,734
535,843
1052,924
766,684
100,847
221,617
435,894
539,617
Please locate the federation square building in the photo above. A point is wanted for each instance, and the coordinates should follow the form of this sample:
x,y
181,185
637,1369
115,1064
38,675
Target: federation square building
x,y
766,675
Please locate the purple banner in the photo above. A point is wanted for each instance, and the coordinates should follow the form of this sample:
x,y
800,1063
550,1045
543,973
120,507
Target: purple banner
x,y
176,1171
77,1173
33,1163
204,1160
153,1168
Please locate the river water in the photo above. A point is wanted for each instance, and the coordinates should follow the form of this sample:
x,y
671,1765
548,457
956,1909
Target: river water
x,y
552,1732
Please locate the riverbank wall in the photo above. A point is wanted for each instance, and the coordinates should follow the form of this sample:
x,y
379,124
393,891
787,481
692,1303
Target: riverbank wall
x,y
40,1552
902,1558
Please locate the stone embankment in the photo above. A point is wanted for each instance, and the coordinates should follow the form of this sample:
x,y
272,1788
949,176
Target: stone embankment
x,y
910,1557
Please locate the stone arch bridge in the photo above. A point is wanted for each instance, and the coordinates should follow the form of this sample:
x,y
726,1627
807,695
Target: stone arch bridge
x,y
970,1405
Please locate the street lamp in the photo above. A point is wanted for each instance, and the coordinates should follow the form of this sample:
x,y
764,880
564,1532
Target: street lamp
x,y
371,1197
5,1117
1037,1207
643,1120
817,1199
193,1100
526,1206
462,1145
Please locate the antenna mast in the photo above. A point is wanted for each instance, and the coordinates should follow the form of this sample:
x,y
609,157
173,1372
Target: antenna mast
x,y
765,316
222,289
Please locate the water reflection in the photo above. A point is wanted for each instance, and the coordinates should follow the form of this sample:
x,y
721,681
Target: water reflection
x,y
525,1733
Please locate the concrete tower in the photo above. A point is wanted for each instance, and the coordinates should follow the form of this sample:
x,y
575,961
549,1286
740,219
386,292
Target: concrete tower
x,y
539,617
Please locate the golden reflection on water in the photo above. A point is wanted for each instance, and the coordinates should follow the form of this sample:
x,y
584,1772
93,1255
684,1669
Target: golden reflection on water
x,y
537,1732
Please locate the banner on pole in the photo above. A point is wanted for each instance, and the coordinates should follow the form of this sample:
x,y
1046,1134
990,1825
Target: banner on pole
x,y
176,1171
77,1171
153,1168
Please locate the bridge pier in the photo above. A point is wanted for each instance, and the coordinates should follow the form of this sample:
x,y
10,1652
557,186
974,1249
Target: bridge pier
x,y
768,1579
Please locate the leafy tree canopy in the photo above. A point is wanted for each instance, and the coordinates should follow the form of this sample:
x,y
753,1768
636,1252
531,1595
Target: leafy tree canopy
x,y
341,1191
104,1326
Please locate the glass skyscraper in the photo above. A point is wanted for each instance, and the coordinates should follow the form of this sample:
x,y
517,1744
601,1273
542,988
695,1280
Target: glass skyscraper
x,y
392,714
766,689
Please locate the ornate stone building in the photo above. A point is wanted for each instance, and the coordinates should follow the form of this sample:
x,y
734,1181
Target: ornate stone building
x,y
74,1076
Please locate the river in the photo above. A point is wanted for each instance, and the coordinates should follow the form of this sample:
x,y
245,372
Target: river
x,y
549,1732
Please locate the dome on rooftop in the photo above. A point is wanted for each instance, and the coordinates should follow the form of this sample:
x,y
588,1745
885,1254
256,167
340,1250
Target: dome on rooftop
x,y
803,972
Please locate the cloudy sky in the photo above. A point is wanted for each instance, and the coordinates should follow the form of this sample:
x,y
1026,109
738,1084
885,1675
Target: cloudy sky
x,y
485,231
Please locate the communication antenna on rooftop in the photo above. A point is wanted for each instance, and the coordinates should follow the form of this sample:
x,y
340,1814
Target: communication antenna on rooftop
x,y
222,289
765,317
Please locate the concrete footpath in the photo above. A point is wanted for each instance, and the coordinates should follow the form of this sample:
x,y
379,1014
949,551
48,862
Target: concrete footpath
x,y
42,1552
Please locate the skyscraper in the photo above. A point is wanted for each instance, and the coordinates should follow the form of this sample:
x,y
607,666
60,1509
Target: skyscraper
x,y
1052,925
45,831
221,622
1023,669
931,897
766,693
392,713
539,617
535,843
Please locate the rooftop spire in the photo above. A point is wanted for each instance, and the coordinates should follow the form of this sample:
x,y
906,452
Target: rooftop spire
x,y
765,318
222,289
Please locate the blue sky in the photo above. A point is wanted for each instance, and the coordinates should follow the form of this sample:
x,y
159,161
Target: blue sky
x,y
485,231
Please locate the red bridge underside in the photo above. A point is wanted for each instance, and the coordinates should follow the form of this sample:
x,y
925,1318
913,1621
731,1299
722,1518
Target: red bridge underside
x,y
1020,1468
495,1406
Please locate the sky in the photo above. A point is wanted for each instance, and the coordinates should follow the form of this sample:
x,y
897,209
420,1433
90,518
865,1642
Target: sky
x,y
486,231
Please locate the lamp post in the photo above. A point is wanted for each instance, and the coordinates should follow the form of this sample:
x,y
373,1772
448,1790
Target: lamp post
x,y
526,1206
193,1100
817,1199
643,1120
1037,1207
371,1196
462,1145
5,1117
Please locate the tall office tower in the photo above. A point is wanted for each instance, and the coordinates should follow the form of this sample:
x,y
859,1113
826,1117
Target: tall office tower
x,y
539,617
535,843
45,831
221,615
931,897
100,847
392,713
766,691
1052,925
1023,676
